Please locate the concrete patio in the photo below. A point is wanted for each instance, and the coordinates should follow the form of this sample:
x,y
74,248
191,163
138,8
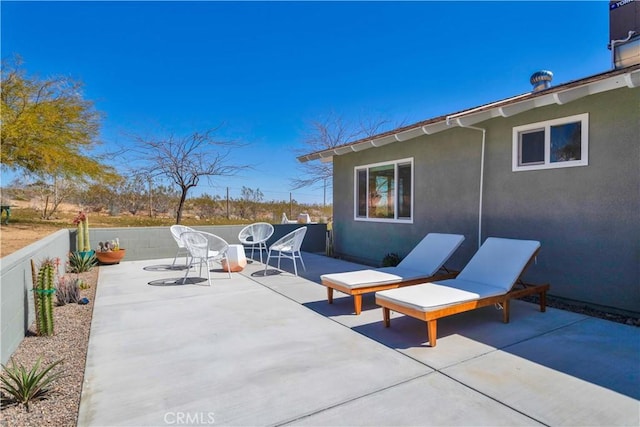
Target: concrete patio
x,y
269,350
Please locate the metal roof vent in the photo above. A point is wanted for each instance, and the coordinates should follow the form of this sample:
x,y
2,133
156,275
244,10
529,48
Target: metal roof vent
x,y
541,80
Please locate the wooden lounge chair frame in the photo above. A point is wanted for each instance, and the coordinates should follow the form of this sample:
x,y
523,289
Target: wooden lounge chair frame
x,y
357,293
519,290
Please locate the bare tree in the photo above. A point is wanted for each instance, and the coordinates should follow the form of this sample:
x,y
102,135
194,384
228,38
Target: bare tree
x,y
185,160
49,195
329,132
134,194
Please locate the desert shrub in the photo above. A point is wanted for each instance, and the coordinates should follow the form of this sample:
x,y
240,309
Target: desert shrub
x,y
68,290
24,386
391,260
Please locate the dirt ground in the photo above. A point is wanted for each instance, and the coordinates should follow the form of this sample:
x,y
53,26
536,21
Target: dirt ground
x,y
16,236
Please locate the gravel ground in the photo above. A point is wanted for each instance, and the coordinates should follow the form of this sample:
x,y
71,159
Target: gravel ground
x,y
589,311
72,323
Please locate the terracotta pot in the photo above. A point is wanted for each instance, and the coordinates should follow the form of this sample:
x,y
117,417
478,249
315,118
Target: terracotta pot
x,y
110,257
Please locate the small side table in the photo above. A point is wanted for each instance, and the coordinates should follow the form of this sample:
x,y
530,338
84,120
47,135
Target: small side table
x,y
236,257
7,209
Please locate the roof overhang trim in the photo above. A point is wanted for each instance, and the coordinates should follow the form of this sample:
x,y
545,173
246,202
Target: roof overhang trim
x,y
505,108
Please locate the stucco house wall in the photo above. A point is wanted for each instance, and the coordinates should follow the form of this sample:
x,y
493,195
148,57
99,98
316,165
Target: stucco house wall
x,y
586,217
444,202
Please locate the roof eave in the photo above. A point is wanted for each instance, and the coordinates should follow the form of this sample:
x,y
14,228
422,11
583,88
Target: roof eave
x,y
559,95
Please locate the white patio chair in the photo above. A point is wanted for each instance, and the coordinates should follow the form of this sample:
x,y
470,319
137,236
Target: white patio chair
x,y
204,247
176,231
288,247
286,220
255,236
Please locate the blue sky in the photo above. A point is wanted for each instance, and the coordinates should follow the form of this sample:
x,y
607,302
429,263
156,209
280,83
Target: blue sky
x,y
265,69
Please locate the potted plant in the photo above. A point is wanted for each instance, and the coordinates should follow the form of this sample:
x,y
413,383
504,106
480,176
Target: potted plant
x,y
110,252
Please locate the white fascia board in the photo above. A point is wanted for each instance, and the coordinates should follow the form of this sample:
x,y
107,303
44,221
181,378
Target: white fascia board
x,y
567,96
543,101
432,128
343,150
409,134
309,157
472,119
362,146
379,142
513,109
633,79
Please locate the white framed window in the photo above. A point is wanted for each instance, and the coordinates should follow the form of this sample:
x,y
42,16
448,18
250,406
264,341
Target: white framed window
x,y
384,191
557,143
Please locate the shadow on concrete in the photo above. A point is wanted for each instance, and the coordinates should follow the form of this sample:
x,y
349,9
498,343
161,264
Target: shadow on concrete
x,y
342,305
165,267
177,282
268,272
588,349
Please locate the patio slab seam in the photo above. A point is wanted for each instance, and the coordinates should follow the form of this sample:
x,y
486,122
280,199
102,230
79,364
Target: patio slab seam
x,y
488,396
353,399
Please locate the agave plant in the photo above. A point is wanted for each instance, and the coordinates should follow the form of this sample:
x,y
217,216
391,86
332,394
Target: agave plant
x,y
24,386
79,262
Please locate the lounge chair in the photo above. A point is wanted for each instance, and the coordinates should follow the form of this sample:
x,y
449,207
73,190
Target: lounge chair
x,y
421,264
491,277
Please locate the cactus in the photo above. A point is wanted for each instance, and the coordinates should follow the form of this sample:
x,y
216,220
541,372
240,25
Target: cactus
x,y
82,222
43,290
87,244
80,236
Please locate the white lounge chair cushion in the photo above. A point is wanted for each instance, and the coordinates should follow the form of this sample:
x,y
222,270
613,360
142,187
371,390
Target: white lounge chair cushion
x,y
432,296
424,260
432,252
499,262
492,271
379,276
